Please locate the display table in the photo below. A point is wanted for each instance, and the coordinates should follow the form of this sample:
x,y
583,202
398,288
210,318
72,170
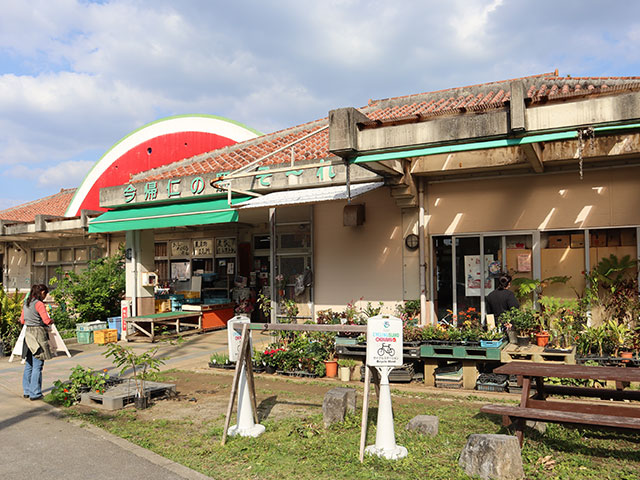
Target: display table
x,y
214,317
146,328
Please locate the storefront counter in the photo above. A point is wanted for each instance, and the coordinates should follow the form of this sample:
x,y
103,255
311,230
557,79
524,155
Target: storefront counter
x,y
213,316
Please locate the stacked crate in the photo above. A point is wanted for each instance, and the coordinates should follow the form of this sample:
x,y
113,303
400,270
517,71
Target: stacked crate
x,y
84,331
449,376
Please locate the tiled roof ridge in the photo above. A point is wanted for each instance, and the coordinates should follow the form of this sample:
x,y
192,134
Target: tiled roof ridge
x,y
373,103
610,84
153,173
63,191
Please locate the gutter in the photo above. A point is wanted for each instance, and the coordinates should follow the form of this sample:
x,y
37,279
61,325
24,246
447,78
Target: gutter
x,y
484,145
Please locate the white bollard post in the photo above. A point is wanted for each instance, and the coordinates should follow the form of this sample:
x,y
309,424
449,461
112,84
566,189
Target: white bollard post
x,y
246,427
384,351
385,435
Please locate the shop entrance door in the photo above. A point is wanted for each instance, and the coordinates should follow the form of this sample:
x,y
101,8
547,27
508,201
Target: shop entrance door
x,y
462,277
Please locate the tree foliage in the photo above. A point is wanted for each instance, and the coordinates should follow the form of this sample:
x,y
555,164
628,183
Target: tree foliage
x,y
91,295
10,309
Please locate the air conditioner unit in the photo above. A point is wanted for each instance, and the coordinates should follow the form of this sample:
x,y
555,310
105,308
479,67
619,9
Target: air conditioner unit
x,y
149,279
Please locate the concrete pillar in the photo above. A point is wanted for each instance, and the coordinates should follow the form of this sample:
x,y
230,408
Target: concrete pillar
x,y
469,374
140,259
430,365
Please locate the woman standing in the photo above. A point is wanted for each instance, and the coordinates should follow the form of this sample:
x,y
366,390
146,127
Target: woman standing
x,y
36,341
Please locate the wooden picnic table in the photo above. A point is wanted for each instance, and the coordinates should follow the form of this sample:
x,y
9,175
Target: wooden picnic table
x,y
537,406
145,327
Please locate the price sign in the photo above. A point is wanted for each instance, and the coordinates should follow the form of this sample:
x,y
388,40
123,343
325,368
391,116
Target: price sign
x,y
234,336
226,246
202,247
180,248
384,341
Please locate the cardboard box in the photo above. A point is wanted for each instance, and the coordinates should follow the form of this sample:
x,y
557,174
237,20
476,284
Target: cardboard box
x,y
598,239
628,237
577,240
559,241
613,238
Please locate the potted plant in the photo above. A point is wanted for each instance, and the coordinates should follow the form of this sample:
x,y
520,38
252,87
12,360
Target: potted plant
x,y
328,342
141,365
346,368
523,322
220,360
491,338
620,335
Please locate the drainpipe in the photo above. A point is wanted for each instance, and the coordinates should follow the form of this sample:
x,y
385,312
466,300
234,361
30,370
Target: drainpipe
x,y
421,245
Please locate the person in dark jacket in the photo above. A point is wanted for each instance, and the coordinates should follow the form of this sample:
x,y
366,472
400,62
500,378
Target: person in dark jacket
x,y
35,349
502,299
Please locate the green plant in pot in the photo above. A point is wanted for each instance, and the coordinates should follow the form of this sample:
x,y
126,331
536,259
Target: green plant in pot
x,y
522,321
620,334
346,368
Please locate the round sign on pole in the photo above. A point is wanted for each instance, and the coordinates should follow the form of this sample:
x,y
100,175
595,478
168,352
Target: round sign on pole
x,y
234,335
384,341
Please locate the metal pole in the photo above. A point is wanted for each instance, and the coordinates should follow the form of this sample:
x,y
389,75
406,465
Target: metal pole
x,y
272,261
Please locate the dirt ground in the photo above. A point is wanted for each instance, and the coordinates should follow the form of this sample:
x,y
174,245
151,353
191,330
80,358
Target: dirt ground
x,y
204,395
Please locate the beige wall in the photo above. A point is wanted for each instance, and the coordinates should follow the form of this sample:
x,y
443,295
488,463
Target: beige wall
x,y
364,261
536,202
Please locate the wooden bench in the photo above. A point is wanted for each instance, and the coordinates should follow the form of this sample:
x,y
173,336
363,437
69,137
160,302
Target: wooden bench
x,y
538,407
518,414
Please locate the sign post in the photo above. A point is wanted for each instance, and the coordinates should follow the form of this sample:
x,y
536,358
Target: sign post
x,y
246,426
384,352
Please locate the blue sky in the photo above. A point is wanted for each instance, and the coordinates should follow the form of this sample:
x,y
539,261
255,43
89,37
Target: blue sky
x,y
76,76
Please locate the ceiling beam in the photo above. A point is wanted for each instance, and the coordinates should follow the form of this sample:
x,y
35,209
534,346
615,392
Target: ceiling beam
x,y
533,152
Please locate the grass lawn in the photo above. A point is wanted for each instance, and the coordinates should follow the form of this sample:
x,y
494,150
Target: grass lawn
x,y
297,446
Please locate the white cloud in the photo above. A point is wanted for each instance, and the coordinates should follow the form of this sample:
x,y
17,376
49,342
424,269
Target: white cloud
x,y
76,76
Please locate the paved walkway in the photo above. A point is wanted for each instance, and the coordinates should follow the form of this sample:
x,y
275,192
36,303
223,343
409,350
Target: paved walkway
x,y
35,442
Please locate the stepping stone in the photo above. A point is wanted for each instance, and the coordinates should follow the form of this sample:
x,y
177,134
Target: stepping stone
x,y
337,403
492,456
424,424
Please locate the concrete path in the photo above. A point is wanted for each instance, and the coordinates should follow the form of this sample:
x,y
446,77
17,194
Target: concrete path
x,y
35,442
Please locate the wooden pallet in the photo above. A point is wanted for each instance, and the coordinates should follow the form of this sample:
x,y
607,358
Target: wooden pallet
x,y
534,353
463,352
118,396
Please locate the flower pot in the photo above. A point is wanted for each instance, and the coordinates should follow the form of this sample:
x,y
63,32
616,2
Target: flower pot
x,y
523,341
331,367
513,336
542,338
626,355
270,369
345,374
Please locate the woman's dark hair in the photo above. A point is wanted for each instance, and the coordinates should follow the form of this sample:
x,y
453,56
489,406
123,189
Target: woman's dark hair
x,y
38,292
504,281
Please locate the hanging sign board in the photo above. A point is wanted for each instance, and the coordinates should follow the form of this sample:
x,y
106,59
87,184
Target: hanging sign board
x,y
180,248
202,247
384,341
234,335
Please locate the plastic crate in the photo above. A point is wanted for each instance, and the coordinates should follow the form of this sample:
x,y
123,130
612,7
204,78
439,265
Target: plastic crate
x,y
109,335
84,336
491,387
91,326
491,343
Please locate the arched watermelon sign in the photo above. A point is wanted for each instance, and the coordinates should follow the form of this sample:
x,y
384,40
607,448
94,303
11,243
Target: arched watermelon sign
x,y
155,145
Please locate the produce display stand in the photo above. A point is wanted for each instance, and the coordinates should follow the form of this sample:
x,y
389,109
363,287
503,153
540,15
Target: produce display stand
x,y
145,327
214,316
469,355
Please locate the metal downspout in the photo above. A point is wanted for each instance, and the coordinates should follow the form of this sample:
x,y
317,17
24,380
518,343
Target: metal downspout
x,y
421,244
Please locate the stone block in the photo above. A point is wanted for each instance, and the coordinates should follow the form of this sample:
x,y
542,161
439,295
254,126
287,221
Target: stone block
x,y
492,456
337,403
424,424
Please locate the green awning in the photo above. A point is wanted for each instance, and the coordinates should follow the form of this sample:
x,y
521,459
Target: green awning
x,y
203,212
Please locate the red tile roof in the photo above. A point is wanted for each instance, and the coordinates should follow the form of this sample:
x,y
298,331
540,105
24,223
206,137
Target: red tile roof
x,y
54,205
542,88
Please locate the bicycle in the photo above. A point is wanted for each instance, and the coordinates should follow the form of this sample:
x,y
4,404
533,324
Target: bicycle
x,y
386,348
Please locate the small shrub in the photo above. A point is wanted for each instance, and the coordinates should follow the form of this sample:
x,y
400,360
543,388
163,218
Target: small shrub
x,y
81,380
